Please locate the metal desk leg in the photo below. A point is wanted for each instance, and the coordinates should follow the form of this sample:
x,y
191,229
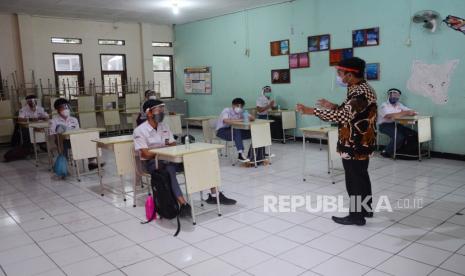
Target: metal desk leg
x,y
218,201
76,166
304,161
395,139
122,186
284,136
321,148
35,146
99,171
232,141
254,156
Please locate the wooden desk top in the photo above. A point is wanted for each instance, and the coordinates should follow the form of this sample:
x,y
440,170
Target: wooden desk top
x,y
319,129
115,140
82,130
200,118
181,150
39,124
255,122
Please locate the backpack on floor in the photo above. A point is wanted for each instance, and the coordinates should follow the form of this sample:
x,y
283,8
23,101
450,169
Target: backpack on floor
x,y
165,202
409,147
17,153
259,153
191,139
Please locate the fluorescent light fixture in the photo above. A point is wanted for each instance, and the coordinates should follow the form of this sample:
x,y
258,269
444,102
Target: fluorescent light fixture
x,y
175,7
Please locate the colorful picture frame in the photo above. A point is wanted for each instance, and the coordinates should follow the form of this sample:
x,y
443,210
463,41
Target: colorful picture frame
x,y
372,71
319,43
455,23
299,60
279,76
336,55
365,37
279,48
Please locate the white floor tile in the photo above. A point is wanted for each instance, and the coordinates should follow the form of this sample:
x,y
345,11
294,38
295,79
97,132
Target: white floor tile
x,y
245,257
58,244
365,255
275,267
442,272
30,266
223,225
442,241
330,244
164,245
150,267
218,245
49,233
20,253
386,242
128,256
300,234
425,254
305,257
273,225
274,245
111,244
96,234
247,235
184,257
89,267
402,266
72,255
337,266
211,267
456,263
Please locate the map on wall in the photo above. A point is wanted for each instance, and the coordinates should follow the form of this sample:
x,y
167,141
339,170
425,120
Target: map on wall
x,y
432,80
198,80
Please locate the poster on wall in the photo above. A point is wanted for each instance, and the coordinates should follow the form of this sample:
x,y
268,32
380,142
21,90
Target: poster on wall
x,y
456,23
365,37
279,48
299,60
198,80
336,55
280,76
372,71
319,43
431,80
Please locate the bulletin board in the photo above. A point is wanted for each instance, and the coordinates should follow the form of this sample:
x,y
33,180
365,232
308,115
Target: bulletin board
x,y
198,80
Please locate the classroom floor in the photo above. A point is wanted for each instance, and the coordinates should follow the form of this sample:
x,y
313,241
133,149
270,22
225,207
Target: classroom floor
x,y
55,227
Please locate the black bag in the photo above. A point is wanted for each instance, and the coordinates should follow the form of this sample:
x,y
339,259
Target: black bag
x,y
410,147
259,153
166,204
17,153
191,139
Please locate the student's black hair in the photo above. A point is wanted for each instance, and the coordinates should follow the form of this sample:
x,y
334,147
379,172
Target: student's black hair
x,y
238,101
147,92
29,97
59,102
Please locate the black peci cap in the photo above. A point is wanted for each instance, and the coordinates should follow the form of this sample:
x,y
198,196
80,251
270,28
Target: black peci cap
x,y
394,90
149,104
59,102
353,64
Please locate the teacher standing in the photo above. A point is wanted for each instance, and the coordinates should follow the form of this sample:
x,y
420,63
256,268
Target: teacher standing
x,y
356,118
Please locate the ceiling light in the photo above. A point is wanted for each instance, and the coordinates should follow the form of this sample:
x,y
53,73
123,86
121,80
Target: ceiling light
x,y
175,7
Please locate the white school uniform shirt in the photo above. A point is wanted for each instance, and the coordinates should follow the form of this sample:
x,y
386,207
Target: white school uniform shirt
x,y
27,113
57,121
388,108
227,113
146,137
263,101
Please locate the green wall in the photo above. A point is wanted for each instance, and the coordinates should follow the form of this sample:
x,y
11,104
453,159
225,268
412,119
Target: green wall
x,y
220,43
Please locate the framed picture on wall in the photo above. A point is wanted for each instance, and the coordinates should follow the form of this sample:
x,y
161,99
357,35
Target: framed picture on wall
x,y
336,55
372,71
319,43
279,48
299,60
365,37
280,76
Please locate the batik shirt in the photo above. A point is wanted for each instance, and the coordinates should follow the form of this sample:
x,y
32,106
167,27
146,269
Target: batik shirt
x,y
356,118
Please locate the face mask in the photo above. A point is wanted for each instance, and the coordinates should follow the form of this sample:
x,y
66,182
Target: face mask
x,y
152,97
158,117
393,100
65,113
237,109
339,82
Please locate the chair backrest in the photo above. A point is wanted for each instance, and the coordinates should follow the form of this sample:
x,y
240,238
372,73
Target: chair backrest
x,y
86,109
124,165
209,130
174,122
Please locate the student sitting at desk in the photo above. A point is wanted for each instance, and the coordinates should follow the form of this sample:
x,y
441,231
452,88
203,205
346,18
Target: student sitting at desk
x,y
264,103
223,129
390,110
148,95
30,112
63,122
154,133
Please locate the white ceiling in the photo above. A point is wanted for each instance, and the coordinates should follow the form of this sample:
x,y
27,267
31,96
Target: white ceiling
x,y
153,11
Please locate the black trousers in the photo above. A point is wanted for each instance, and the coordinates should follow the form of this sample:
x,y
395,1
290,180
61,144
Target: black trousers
x,y
358,186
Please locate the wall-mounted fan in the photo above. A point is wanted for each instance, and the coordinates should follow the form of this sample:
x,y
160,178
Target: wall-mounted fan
x,y
430,19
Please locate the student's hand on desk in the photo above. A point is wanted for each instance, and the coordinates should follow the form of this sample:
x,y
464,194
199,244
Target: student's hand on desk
x,y
411,113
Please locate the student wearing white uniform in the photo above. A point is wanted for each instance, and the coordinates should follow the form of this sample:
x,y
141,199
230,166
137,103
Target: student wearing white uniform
x,y
63,122
148,95
264,103
32,111
388,111
154,133
223,129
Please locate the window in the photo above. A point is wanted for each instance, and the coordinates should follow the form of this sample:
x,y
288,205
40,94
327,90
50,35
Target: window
x,y
62,40
113,73
162,44
69,74
111,42
163,74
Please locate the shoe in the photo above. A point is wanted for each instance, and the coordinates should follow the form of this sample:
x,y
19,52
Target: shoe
x,y
367,214
93,166
242,159
386,154
223,200
185,211
348,220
